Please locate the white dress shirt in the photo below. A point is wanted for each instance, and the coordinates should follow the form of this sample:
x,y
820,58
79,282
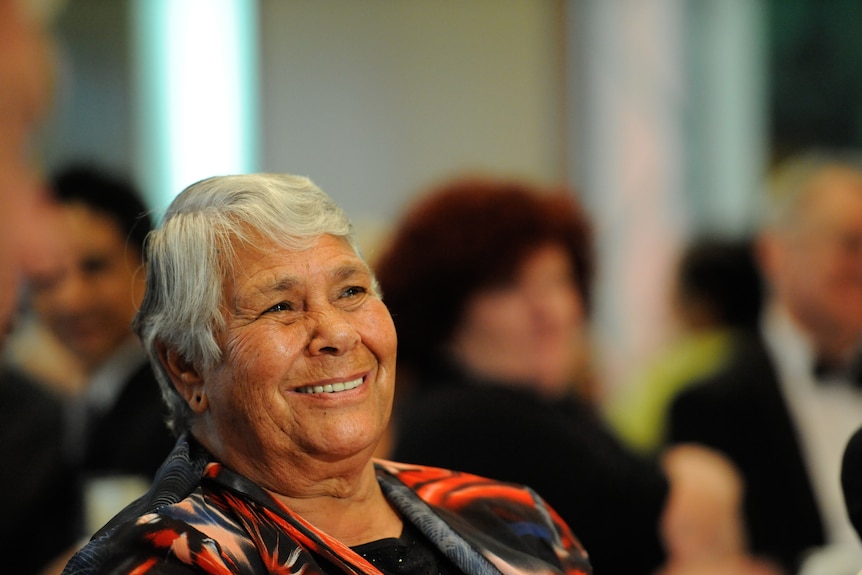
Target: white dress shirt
x,y
826,413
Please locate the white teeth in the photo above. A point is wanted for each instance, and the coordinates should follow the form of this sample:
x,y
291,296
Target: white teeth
x,y
330,387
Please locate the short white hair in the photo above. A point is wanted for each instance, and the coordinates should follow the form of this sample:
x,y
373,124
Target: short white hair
x,y
192,251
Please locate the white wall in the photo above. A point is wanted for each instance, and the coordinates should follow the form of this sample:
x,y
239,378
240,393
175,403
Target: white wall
x,y
374,100
91,114
668,103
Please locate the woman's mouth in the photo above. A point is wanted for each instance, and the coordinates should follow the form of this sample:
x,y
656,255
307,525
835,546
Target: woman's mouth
x,y
331,387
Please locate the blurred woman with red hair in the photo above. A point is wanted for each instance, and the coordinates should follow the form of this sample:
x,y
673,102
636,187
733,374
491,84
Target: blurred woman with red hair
x,y
488,283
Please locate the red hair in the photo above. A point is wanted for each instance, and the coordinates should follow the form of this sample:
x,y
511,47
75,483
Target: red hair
x,y
466,236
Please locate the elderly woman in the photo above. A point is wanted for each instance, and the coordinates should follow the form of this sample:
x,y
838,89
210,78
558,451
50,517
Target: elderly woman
x,y
488,282
276,357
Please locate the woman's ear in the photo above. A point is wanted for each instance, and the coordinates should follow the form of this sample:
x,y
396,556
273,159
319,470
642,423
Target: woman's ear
x,y
185,376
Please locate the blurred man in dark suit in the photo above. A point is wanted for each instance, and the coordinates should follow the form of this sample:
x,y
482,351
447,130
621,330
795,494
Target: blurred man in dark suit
x,y
88,301
41,497
787,401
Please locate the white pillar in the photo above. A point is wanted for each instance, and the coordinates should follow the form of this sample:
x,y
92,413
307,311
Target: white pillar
x,y
727,132
628,92
196,84
668,121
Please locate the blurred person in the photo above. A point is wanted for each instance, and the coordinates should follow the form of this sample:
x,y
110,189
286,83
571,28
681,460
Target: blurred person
x,y
26,76
28,218
43,508
717,293
489,284
704,528
786,402
32,348
42,487
87,302
42,499
276,357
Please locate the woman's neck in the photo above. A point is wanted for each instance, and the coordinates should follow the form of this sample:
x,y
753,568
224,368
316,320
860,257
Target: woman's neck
x,y
353,514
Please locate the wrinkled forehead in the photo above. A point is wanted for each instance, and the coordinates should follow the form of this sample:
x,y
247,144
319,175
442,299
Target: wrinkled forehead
x,y
840,179
834,194
831,193
294,257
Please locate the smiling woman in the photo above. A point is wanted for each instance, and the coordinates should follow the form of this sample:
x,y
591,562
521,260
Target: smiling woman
x,y
280,349
276,357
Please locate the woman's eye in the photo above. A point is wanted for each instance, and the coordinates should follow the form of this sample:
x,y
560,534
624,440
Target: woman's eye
x,y
282,306
353,291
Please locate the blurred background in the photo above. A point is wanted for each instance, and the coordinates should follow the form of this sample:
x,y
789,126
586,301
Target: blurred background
x,y
664,116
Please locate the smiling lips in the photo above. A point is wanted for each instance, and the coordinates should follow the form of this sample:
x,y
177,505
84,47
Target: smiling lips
x,y
331,387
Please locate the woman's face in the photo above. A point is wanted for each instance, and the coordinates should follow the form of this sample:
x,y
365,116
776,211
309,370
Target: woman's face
x,y
523,331
308,362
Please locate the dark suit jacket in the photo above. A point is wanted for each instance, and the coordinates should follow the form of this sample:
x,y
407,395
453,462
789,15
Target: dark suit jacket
x,y
741,412
851,480
42,495
132,438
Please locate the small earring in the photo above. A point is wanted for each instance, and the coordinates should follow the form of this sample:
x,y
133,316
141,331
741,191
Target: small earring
x,y
198,398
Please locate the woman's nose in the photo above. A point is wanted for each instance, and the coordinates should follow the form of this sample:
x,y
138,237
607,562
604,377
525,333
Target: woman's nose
x,y
332,333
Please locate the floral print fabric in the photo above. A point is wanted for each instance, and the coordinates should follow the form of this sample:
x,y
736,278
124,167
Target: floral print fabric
x,y
200,517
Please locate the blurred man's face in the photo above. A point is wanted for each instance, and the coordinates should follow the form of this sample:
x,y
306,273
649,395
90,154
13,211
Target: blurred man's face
x,y
819,264
89,299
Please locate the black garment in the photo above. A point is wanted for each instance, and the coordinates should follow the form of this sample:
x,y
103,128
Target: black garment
x,y
410,554
851,480
741,412
42,513
610,498
132,438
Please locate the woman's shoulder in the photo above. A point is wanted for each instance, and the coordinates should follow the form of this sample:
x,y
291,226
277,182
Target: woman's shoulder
x,y
506,520
442,487
191,534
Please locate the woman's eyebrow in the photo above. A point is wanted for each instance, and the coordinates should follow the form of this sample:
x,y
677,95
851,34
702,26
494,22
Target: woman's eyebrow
x,y
348,271
279,285
287,283
267,289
